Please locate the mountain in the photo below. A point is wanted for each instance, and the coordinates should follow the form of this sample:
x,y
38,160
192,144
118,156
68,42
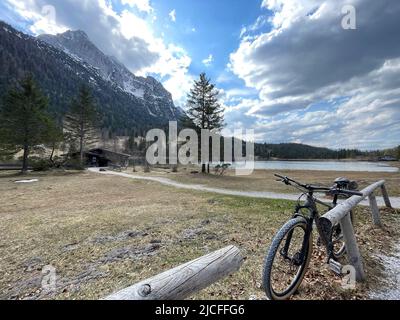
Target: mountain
x,y
295,151
62,63
291,151
78,45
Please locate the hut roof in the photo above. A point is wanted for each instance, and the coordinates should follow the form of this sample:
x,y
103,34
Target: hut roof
x,y
96,151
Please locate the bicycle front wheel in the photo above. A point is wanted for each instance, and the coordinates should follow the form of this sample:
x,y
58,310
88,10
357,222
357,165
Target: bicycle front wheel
x,y
287,261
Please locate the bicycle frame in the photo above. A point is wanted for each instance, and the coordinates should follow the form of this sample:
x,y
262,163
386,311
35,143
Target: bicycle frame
x,y
324,227
325,232
293,243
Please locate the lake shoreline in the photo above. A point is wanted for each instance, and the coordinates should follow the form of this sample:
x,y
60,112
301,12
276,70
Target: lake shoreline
x,y
329,160
333,165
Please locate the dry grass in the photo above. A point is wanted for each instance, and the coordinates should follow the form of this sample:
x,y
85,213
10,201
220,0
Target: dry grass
x,y
103,233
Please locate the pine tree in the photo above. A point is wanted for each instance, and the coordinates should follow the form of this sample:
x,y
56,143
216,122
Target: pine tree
x,y
80,122
203,108
55,141
24,119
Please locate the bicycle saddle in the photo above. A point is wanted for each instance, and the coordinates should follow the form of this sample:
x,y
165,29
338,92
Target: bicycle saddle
x,y
346,184
342,182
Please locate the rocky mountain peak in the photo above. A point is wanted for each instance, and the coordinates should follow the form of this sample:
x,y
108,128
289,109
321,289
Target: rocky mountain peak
x,y
73,35
78,45
62,63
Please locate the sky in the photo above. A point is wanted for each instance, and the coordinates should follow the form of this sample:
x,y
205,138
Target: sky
x,y
305,71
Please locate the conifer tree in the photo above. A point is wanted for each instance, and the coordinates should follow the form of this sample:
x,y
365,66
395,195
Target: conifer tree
x,y
80,122
203,109
25,121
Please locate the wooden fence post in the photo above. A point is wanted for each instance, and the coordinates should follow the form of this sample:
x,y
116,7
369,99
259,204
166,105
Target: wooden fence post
x,y
340,214
386,196
374,210
353,252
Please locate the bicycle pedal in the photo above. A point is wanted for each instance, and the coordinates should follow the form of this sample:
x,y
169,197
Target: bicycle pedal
x,y
335,266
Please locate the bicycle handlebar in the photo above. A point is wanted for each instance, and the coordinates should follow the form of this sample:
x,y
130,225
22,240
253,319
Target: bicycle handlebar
x,y
309,187
287,180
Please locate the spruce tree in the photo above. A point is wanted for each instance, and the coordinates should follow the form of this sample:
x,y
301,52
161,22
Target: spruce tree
x,y
24,119
80,122
203,108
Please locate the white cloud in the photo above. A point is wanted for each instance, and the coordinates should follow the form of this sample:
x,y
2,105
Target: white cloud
x,y
132,26
368,119
179,86
172,15
239,92
307,58
208,61
173,65
226,76
141,5
256,26
44,18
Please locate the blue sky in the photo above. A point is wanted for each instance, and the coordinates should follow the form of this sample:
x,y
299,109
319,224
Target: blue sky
x,y
285,68
207,27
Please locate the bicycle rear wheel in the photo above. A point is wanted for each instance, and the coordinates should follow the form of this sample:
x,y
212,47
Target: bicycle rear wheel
x,y
339,246
284,266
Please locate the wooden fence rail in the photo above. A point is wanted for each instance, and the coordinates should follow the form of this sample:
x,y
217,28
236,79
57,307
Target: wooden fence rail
x,y
185,280
340,214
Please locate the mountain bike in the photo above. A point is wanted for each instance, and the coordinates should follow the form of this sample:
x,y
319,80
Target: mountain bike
x,y
290,252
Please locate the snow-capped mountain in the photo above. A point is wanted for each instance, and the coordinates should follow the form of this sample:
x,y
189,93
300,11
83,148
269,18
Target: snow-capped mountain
x,y
61,64
78,45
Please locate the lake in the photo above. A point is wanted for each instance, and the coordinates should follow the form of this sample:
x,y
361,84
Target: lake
x,y
325,166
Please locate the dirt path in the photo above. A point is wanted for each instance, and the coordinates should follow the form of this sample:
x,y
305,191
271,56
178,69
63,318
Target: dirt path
x,y
253,194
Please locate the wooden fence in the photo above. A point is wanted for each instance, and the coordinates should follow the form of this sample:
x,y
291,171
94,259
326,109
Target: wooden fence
x,y
340,214
181,282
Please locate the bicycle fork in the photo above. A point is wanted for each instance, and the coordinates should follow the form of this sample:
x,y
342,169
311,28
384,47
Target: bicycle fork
x,y
298,257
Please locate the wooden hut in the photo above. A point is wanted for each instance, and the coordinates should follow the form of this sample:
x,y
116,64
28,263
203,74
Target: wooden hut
x,y
106,158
